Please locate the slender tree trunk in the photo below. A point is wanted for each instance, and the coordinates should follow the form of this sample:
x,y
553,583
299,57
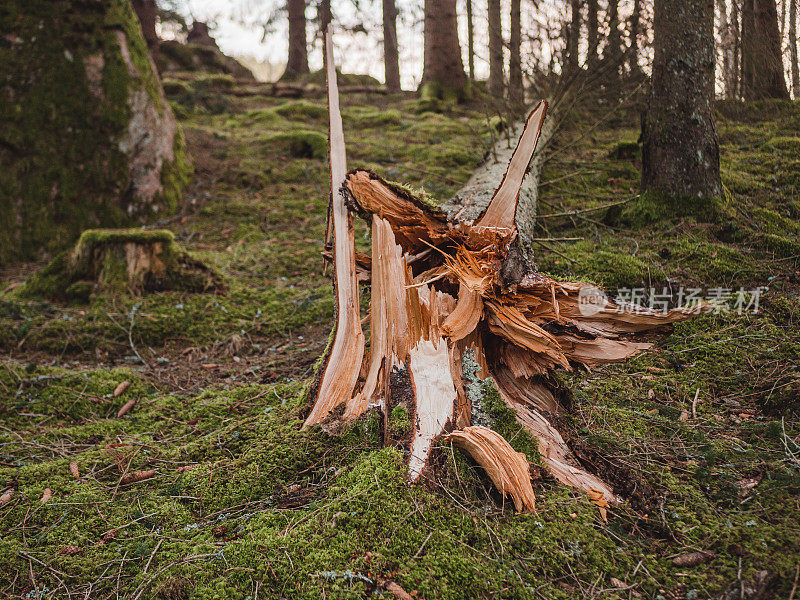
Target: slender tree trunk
x,y
783,19
727,50
635,30
737,48
297,61
613,48
470,42
680,152
592,31
793,49
325,14
573,36
515,88
391,58
147,11
495,49
442,62
762,60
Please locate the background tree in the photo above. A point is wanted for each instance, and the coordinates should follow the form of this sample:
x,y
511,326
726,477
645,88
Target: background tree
x,y
297,61
391,55
592,31
634,31
147,12
793,49
680,152
762,62
515,89
573,37
470,41
727,49
495,85
443,71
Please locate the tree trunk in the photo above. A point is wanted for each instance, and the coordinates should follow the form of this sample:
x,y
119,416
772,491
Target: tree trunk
x,y
762,60
737,48
470,41
613,48
442,314
147,11
87,137
515,87
495,85
573,37
727,49
680,152
442,67
592,32
391,58
297,61
793,48
634,68
325,15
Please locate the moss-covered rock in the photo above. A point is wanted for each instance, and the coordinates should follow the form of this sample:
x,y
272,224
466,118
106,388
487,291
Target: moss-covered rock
x,y
174,56
87,138
121,260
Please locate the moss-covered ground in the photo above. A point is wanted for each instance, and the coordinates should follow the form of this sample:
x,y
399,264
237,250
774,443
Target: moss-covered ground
x,y
243,504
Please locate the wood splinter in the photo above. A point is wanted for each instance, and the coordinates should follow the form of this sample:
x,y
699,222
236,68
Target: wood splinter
x,y
440,287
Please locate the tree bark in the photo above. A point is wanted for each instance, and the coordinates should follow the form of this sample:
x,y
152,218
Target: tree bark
x,y
727,49
762,60
613,48
737,48
495,85
325,15
634,68
442,62
573,37
147,11
391,57
297,61
680,152
515,87
470,41
592,31
793,48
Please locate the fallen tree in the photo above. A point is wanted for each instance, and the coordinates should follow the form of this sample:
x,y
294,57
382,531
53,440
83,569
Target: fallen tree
x,y
444,289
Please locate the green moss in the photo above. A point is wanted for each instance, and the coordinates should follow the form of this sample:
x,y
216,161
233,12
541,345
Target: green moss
x,y
399,423
301,110
504,422
300,144
214,83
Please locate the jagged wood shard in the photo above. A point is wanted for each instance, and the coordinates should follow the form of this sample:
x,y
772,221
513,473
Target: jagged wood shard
x,y
438,288
340,372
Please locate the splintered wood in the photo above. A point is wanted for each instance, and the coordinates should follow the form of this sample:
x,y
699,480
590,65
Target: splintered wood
x,y
439,289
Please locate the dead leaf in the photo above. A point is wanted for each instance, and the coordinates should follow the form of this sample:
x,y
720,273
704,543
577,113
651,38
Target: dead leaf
x,y
599,499
617,583
73,468
651,393
692,559
748,483
46,495
125,408
70,550
684,416
186,468
120,389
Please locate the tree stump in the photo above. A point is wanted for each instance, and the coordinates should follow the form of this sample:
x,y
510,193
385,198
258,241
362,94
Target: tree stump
x,y
438,295
131,261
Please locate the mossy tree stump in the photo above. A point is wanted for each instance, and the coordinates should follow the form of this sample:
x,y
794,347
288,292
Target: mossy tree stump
x,y
452,302
87,138
131,261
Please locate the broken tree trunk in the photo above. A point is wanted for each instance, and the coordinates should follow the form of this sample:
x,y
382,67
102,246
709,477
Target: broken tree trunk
x,y
438,292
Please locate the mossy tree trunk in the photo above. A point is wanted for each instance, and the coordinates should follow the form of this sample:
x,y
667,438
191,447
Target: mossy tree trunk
x,y
516,92
762,58
680,151
88,138
147,11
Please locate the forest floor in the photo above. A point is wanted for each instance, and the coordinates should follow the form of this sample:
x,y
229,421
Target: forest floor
x,y
699,435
